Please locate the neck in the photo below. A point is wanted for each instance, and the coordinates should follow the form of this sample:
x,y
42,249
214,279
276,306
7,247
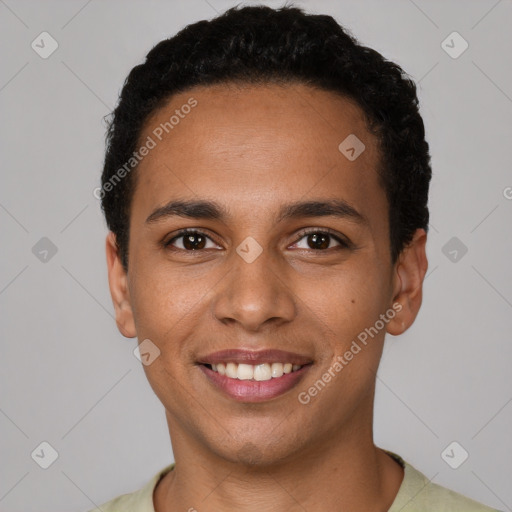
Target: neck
x,y
347,473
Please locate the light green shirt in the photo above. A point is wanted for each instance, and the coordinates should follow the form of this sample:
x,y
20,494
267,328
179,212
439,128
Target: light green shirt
x,y
416,494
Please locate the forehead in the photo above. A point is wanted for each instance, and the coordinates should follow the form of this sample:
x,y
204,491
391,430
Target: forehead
x,y
257,146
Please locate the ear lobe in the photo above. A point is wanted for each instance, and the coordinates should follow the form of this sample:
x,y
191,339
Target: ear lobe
x,y
118,284
410,272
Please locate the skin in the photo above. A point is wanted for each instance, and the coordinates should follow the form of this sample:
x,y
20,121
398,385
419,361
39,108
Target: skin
x,y
253,149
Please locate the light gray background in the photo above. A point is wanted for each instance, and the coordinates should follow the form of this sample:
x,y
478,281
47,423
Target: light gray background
x,y
69,378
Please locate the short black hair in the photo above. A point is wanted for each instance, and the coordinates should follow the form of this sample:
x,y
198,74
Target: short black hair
x,y
261,45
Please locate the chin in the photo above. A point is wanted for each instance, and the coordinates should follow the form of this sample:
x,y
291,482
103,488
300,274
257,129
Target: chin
x,y
261,452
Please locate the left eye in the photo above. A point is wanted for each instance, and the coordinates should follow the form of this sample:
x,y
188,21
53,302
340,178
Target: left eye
x,y
320,240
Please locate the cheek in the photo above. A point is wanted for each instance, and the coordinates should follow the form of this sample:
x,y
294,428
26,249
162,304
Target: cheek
x,y
347,299
158,301
170,303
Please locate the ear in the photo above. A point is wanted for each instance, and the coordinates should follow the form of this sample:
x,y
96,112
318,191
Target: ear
x,y
118,284
408,276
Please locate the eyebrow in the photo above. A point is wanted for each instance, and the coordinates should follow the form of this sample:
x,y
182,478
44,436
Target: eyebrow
x,y
209,210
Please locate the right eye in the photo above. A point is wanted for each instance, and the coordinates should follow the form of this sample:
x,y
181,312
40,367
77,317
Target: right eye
x,y
189,240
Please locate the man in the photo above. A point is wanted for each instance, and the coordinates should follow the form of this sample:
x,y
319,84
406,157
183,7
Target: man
x,y
266,186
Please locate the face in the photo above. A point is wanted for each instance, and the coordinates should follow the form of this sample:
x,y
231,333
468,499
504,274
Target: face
x,y
286,263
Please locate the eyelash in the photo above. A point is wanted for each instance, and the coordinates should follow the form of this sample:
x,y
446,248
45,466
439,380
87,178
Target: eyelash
x,y
344,244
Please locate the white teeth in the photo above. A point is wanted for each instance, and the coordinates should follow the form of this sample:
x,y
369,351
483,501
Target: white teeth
x,y
262,372
259,372
245,372
277,369
231,369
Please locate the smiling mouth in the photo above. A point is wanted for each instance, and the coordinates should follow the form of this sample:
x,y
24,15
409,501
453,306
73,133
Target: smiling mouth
x,y
254,383
254,375
259,372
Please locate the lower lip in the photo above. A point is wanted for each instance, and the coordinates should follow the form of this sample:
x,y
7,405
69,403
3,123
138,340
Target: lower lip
x,y
254,391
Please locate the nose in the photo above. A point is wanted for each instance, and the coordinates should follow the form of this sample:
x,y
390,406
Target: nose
x,y
254,295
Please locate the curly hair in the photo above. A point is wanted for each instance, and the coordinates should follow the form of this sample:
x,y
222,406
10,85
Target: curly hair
x,y
259,45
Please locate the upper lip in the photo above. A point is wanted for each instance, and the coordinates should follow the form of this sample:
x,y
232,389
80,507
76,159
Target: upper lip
x,y
254,357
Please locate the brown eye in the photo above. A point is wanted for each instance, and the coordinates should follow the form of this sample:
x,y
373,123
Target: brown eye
x,y
320,241
193,242
189,241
